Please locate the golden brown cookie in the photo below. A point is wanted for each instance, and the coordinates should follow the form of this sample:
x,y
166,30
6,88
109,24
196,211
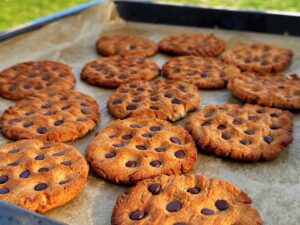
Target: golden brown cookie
x,y
167,100
267,90
192,44
61,116
247,133
184,200
113,71
205,73
40,176
258,57
31,77
126,45
137,148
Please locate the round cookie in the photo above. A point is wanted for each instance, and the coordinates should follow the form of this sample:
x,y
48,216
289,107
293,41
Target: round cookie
x,y
113,71
137,148
192,44
267,90
246,133
184,200
40,176
205,73
163,99
258,57
126,45
28,78
61,116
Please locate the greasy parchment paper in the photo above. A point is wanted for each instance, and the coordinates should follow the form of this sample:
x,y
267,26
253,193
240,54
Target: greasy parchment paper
x,y
274,186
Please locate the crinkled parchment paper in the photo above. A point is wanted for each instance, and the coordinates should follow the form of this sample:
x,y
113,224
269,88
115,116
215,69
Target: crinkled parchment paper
x,y
274,186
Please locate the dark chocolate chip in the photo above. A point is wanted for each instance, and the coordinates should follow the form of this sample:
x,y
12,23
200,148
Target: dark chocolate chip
x,y
253,118
13,88
66,163
260,111
174,206
27,124
131,107
175,140
50,113
16,120
141,89
154,99
268,139
13,164
117,101
221,127
194,190
154,128
66,107
203,75
58,122
136,100
126,137
226,136
122,77
25,174
155,163
3,179
205,124
118,145
141,147
134,126
249,132
274,115
43,170
85,111
275,127
167,95
147,135
39,88
237,122
44,147
180,154
29,113
133,86
46,106
110,155
40,157
64,98
137,215
160,149
221,204
40,187
13,151
42,130
131,164
27,86
207,212
4,191
84,104
245,142
155,189
64,182
154,107
176,101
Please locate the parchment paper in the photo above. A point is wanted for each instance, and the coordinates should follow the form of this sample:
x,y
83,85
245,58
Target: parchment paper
x,y
274,186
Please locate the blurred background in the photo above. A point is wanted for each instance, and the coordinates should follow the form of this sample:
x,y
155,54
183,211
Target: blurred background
x,y
17,12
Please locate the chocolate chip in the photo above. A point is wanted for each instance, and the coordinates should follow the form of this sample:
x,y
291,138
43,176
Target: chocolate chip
x,y
205,124
140,89
13,164
154,128
141,147
13,151
155,189
207,212
249,132
13,88
118,145
136,100
155,163
226,136
275,127
260,111
110,155
154,99
66,163
274,115
29,113
4,191
58,122
117,101
253,118
46,106
194,190
221,127
64,182
245,142
203,75
3,179
43,170
42,130
27,86
268,139
39,88
175,140
132,47
25,174
154,107
174,206
160,149
237,122
131,164
180,154
44,147
134,126
40,187
64,98
85,111
58,154
167,95
16,120
147,135
221,204
137,215
176,101
122,77
40,157
66,107
50,113
27,124
131,107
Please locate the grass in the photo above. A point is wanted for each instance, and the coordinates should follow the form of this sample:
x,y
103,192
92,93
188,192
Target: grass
x,y
16,12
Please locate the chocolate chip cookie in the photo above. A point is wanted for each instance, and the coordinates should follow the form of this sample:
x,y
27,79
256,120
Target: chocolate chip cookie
x,y
126,45
168,100
259,57
247,133
133,149
267,90
184,200
40,176
192,44
28,78
113,71
204,72
61,116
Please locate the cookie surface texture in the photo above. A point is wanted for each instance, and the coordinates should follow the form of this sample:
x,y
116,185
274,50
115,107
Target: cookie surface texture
x,y
205,73
126,45
39,176
184,200
61,116
163,99
32,77
246,133
113,71
258,57
133,149
192,44
267,90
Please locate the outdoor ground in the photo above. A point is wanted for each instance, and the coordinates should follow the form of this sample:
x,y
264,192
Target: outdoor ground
x,y
16,12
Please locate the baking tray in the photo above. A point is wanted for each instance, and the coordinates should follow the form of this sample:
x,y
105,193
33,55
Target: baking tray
x,y
274,186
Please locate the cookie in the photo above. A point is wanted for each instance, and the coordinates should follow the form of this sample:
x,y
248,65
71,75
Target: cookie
x,y
40,176
246,133
28,78
192,44
267,90
205,73
61,116
133,149
126,45
258,57
167,100
184,200
113,71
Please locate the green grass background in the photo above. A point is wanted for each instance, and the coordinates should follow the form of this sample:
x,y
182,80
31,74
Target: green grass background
x,y
16,12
